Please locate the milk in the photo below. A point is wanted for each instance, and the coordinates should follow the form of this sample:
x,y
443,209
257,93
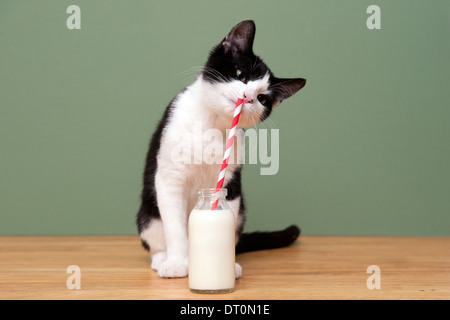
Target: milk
x,y
211,251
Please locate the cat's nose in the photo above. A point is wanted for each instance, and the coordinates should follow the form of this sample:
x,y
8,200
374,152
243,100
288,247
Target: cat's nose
x,y
248,98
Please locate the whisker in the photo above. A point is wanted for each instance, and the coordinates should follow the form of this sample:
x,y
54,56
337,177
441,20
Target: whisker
x,y
188,76
214,73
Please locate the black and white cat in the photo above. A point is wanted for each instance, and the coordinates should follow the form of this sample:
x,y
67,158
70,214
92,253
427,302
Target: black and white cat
x,y
169,192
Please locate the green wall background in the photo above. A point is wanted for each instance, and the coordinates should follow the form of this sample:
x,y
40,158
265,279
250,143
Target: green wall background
x,y
364,147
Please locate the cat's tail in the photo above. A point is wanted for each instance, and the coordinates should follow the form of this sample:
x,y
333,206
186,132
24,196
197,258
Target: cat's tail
x,y
267,240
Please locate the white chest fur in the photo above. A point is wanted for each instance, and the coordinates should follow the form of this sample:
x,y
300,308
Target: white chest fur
x,y
193,141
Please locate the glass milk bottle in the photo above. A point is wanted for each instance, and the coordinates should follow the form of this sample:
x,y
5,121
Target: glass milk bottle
x,y
211,244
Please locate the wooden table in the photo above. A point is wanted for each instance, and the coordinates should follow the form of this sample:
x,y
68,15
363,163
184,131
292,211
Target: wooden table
x,y
326,267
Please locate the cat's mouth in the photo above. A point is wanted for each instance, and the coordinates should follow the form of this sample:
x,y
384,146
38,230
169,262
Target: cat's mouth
x,y
233,103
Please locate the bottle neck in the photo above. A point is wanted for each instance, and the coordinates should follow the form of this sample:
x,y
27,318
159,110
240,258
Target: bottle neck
x,y
208,197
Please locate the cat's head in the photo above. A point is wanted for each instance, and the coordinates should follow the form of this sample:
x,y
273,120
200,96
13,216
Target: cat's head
x,y
234,71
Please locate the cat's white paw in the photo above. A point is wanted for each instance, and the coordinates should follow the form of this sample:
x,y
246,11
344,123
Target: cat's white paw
x,y
238,270
173,268
157,259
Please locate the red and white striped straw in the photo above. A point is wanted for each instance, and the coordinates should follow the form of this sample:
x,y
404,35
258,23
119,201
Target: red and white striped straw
x,y
226,155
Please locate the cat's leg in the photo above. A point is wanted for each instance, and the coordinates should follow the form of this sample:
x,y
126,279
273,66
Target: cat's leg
x,y
173,210
153,236
150,228
235,206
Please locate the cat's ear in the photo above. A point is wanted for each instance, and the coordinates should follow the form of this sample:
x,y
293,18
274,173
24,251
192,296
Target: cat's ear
x,y
240,38
284,88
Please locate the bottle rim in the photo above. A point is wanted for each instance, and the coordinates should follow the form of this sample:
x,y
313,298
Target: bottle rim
x,y
211,192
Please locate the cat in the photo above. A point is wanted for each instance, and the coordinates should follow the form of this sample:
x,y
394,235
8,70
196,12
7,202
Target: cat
x,y
231,71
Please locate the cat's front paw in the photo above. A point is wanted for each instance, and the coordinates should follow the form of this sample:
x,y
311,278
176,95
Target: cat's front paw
x,y
173,268
157,259
237,270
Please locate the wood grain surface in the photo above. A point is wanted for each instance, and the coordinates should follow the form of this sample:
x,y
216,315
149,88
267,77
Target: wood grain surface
x,y
315,267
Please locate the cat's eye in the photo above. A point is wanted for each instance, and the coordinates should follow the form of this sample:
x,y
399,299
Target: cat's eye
x,y
262,98
240,75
